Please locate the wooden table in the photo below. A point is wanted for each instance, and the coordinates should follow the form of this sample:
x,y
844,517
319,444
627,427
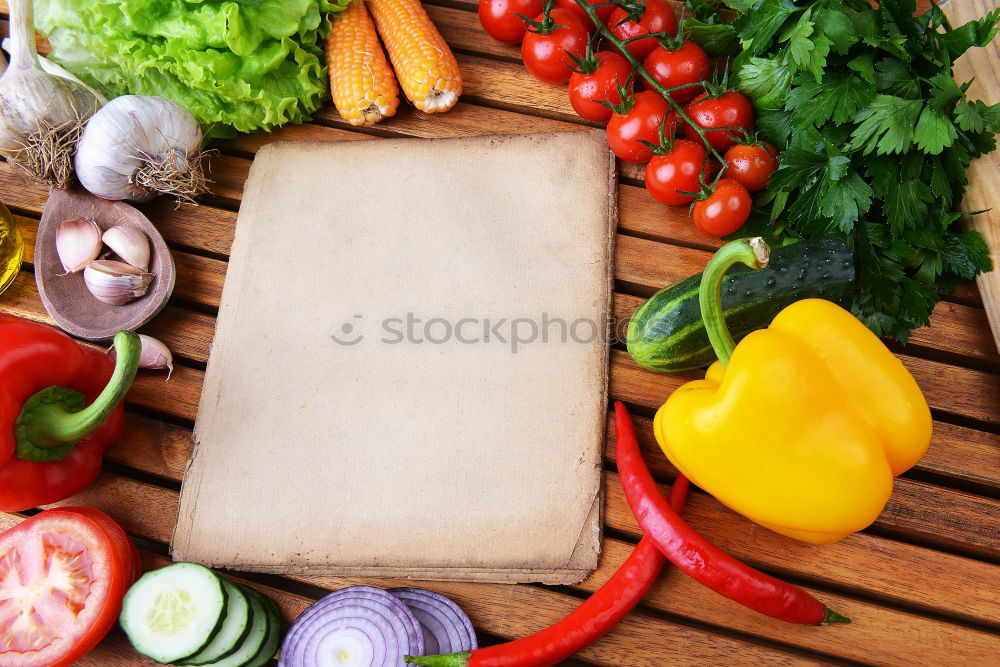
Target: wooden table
x,y
922,583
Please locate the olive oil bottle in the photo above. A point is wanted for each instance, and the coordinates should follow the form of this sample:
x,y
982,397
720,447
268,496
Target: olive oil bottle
x,y
11,247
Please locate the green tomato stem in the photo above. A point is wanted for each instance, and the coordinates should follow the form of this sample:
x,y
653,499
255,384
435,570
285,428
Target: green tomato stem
x,y
637,66
752,252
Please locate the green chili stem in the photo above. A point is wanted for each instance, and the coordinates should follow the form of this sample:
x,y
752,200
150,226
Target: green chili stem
x,y
752,252
637,66
51,423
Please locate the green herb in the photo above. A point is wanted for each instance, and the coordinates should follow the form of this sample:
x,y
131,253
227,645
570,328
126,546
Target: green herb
x,y
240,66
876,136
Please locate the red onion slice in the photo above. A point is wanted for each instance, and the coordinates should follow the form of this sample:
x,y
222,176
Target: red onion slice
x,y
446,628
356,626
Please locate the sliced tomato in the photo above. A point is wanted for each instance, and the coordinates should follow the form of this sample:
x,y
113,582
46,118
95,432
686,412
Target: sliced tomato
x,y
61,587
129,555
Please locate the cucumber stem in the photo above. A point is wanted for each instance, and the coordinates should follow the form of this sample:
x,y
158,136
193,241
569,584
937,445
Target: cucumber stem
x,y
752,252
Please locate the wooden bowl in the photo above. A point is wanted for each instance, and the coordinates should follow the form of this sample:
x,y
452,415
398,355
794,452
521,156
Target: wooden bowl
x,y
66,297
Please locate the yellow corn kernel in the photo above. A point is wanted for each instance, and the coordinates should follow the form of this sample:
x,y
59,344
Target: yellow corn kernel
x,y
362,84
427,69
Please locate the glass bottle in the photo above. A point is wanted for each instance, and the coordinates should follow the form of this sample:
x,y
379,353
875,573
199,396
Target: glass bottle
x,y
11,247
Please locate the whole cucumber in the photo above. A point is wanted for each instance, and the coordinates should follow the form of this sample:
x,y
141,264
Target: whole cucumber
x,y
666,333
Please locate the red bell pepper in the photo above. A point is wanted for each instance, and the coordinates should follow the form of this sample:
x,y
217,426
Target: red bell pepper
x,y
60,408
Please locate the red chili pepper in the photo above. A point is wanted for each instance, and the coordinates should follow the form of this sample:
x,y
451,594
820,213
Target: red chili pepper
x,y
693,554
584,625
60,408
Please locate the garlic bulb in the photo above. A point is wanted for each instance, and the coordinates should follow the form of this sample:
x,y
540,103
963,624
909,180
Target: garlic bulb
x,y
78,243
115,282
41,115
55,69
153,354
130,244
137,147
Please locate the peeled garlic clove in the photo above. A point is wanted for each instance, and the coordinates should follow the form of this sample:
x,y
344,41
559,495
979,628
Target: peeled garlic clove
x,y
153,354
78,243
130,244
115,282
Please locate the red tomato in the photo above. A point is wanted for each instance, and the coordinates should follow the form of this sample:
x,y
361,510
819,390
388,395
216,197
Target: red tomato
x,y
725,210
499,20
731,109
545,55
751,165
586,90
676,171
602,12
657,17
687,64
61,584
129,555
642,123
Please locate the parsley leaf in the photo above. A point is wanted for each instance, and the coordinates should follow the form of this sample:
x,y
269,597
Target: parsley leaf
x,y
886,125
934,131
838,97
976,116
765,80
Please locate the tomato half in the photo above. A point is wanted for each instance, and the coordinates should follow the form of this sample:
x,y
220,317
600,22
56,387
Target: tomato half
x,y
545,54
642,123
730,109
587,90
688,64
61,587
657,16
751,165
500,21
677,171
725,210
129,555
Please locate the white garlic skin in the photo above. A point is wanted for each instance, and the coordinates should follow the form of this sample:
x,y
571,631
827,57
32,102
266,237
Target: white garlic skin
x,y
78,243
115,283
124,129
153,354
130,244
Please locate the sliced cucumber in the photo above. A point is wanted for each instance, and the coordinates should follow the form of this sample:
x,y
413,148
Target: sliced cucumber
x,y
273,640
255,639
239,618
173,613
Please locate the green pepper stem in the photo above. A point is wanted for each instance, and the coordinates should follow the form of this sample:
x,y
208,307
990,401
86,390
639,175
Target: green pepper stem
x,y
752,252
52,423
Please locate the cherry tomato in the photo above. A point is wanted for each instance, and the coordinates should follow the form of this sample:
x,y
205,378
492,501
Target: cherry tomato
x,y
499,19
585,90
676,171
657,17
687,64
545,55
725,210
61,583
751,165
731,109
642,123
602,12
129,555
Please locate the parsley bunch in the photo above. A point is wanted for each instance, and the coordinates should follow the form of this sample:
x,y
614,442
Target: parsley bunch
x,y
876,136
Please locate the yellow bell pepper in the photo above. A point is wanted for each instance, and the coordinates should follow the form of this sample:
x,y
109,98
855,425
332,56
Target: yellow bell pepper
x,y
803,430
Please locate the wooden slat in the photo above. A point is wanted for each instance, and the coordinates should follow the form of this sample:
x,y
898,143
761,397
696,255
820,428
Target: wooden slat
x,y
164,450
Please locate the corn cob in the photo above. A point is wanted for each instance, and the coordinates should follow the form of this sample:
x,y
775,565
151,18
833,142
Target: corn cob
x,y
362,84
427,69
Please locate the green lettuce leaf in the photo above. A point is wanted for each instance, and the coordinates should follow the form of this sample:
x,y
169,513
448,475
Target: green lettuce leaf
x,y
237,65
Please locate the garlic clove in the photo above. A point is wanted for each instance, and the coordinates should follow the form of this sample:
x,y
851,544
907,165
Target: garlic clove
x,y
78,243
130,244
153,354
115,283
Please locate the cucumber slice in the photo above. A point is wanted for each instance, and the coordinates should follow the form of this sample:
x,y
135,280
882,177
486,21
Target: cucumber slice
x,y
239,618
173,613
273,640
255,639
